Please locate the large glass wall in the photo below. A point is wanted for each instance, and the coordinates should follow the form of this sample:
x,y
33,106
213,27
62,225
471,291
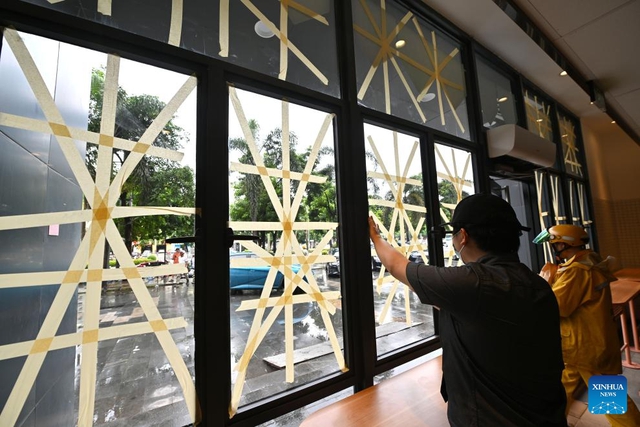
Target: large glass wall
x,y
407,68
497,100
127,328
397,204
286,323
455,182
291,40
95,146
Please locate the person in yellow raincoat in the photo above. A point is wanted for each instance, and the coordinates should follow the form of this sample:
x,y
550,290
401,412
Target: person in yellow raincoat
x,y
590,343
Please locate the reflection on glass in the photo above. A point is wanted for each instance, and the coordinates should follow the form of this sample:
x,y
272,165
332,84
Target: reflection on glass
x,y
570,148
396,202
97,295
284,306
496,99
293,41
405,67
538,115
551,205
455,182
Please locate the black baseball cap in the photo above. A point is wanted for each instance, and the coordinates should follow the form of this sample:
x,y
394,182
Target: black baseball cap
x,y
485,209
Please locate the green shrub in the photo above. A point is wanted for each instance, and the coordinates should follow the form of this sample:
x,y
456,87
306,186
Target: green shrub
x,y
152,257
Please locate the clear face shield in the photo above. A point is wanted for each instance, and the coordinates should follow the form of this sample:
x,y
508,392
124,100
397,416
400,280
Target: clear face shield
x,y
544,236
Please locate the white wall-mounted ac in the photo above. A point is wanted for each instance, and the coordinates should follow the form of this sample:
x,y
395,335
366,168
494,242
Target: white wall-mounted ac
x,y
513,141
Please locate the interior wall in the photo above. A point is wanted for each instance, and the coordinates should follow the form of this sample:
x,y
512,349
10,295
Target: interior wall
x,y
613,161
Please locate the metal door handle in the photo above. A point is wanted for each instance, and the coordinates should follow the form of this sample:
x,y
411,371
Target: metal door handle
x,y
232,237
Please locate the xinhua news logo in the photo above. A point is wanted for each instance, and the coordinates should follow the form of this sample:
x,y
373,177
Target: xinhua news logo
x,y
607,394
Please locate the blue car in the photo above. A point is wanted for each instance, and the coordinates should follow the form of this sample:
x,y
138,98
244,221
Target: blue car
x,y
254,278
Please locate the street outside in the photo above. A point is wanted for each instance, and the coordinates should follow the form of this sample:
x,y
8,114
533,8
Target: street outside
x,y
137,386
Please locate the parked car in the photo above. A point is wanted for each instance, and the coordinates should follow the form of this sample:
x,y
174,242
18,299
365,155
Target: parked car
x,y
333,268
254,278
416,256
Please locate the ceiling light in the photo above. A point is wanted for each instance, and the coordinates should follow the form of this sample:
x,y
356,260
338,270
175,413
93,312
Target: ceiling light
x,y
539,120
400,44
504,98
613,121
262,30
563,73
428,97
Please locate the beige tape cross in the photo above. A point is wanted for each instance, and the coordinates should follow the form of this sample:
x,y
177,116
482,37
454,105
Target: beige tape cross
x,y
288,251
102,197
400,220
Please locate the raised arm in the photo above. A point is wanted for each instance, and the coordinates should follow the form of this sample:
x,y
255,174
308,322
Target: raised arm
x,y
392,260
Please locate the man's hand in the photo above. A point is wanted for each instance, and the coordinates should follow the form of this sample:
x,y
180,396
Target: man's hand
x,y
548,272
374,230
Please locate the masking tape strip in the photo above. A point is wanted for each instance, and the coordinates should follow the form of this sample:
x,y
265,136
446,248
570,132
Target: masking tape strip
x,y
87,392
14,222
104,7
49,108
311,160
42,126
277,226
175,31
136,211
152,314
150,134
276,173
255,152
22,280
306,11
286,42
283,36
453,109
223,22
21,389
107,125
380,175
296,299
408,89
59,342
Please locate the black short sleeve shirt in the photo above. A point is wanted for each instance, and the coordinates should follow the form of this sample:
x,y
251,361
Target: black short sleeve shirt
x,y
500,333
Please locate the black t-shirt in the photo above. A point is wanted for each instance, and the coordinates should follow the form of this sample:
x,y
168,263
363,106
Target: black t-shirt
x,y
501,346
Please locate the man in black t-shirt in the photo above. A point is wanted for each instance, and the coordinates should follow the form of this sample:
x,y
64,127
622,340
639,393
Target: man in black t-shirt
x,y
499,321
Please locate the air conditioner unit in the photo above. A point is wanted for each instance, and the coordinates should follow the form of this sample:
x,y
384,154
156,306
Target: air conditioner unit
x,y
513,141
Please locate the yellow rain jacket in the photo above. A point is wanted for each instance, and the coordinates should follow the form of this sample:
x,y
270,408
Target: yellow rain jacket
x,y
589,334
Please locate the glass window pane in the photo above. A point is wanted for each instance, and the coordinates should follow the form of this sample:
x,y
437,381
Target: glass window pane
x,y
405,67
293,41
286,323
455,182
570,150
396,202
496,98
538,115
93,157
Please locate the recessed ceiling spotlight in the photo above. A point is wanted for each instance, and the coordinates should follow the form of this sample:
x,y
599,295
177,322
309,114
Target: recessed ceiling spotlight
x,y
613,121
563,73
504,98
539,120
428,97
400,44
262,30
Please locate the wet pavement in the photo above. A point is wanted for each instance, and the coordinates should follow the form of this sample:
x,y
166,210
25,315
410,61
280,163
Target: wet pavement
x,y
136,385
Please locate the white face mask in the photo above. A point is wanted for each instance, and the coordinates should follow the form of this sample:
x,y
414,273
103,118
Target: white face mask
x,y
459,253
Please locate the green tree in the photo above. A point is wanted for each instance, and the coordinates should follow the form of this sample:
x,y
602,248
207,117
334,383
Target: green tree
x,y
150,182
252,203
